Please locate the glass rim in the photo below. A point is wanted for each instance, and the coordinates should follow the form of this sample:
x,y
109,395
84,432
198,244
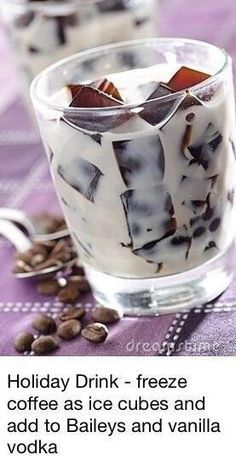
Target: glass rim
x,y
121,45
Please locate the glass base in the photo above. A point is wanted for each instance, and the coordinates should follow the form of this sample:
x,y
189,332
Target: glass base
x,y
164,295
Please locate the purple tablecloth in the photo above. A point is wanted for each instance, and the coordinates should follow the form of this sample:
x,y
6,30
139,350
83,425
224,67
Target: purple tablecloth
x,y
25,183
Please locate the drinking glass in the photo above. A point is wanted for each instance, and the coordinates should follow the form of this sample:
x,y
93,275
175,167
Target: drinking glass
x,y
147,188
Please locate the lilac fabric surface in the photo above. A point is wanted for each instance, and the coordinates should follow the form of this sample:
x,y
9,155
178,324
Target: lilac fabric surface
x,y
26,184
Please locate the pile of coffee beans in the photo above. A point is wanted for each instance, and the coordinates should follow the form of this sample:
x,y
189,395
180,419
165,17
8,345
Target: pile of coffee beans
x,y
43,255
67,289
51,333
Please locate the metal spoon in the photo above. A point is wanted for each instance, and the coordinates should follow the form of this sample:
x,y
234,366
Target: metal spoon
x,y
22,244
28,224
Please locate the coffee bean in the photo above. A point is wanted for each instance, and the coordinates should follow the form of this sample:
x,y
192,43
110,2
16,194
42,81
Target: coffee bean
x,y
44,344
64,256
105,315
44,324
48,287
59,247
21,267
37,259
25,256
48,264
96,333
39,249
69,329
45,255
73,313
80,282
69,294
23,342
49,244
61,252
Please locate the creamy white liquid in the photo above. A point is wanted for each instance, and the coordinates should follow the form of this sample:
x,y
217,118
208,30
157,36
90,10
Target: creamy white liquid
x,y
122,228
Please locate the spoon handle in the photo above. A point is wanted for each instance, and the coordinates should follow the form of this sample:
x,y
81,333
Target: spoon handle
x,y
14,235
15,215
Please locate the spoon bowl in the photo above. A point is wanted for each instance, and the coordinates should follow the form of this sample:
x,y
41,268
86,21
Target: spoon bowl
x,y
22,243
31,225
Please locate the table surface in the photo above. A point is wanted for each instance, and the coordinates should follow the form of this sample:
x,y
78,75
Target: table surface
x,y
26,184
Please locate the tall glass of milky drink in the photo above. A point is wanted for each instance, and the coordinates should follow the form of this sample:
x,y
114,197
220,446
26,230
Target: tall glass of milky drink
x,y
140,138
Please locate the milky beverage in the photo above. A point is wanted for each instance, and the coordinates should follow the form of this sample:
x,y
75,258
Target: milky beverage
x,y
151,192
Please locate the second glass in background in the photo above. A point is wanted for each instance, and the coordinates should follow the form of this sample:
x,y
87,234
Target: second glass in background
x,y
44,31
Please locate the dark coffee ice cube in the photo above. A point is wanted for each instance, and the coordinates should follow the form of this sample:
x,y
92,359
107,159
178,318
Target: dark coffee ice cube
x,y
149,214
204,152
186,78
82,176
103,85
155,111
74,89
141,161
108,88
88,98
